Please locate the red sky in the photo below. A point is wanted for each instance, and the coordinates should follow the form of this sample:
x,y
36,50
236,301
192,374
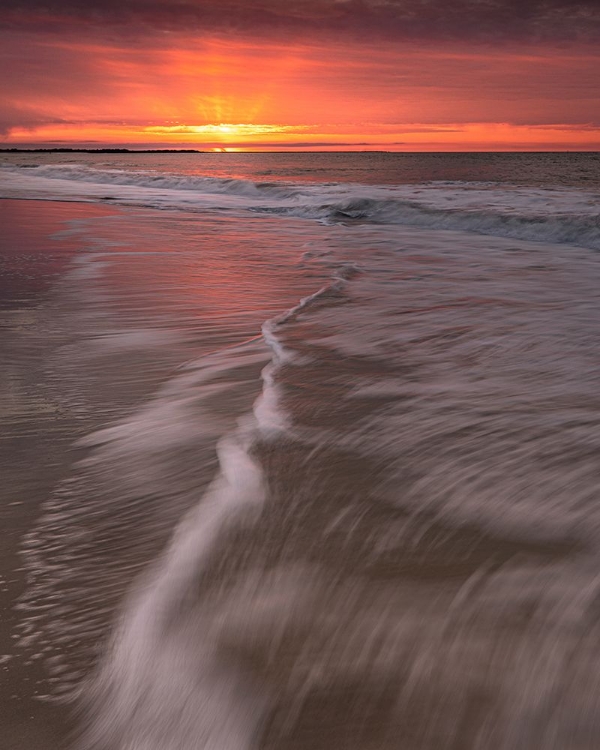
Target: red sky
x,y
388,74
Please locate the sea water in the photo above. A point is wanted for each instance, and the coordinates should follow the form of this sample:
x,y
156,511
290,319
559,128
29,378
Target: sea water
x,y
336,451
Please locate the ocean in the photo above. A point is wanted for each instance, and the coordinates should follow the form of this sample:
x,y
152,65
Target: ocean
x,y
300,451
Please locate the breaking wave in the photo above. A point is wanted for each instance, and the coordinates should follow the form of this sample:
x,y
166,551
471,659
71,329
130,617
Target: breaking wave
x,y
163,181
558,216
557,229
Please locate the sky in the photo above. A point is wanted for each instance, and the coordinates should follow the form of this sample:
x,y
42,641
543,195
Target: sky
x,y
405,75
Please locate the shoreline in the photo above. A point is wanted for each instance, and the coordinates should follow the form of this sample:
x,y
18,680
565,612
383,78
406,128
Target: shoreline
x,y
86,346
417,514
36,451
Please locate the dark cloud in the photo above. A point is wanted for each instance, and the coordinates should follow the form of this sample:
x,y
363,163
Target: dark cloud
x,y
27,118
481,20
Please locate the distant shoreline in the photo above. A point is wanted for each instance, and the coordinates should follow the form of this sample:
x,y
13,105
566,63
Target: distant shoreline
x,y
66,150
101,151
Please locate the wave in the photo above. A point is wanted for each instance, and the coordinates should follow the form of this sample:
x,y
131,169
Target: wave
x,y
557,229
558,216
163,683
294,586
165,181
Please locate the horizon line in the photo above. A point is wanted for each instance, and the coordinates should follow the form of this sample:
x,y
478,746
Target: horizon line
x,y
238,150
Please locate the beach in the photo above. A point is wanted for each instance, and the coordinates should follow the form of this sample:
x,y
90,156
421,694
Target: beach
x,y
67,372
37,438
297,458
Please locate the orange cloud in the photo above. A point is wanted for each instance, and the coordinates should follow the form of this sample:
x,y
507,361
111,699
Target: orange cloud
x,y
223,92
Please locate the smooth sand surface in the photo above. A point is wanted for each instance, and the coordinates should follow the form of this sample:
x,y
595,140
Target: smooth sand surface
x,y
35,439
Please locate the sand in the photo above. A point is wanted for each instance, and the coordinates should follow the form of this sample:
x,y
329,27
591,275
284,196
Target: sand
x,y
35,440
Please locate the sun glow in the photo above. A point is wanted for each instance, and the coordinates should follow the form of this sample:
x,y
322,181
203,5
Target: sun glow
x,y
224,93
225,129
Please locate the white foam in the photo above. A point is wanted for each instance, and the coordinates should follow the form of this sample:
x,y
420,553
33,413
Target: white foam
x,y
156,689
566,215
161,684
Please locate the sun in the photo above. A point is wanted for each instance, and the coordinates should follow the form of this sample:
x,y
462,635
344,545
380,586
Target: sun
x,y
228,135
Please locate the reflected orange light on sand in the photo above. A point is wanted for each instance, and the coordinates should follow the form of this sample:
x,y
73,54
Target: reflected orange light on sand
x,y
247,137
216,93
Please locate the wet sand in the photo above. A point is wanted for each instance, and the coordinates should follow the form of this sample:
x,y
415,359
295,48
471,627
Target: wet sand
x,y
36,439
103,371
351,612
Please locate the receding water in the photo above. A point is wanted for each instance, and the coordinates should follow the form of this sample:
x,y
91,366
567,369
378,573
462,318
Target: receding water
x,y
332,451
